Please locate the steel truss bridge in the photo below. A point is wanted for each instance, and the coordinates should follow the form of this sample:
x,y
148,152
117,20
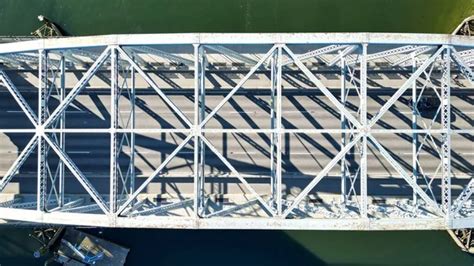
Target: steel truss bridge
x,y
350,131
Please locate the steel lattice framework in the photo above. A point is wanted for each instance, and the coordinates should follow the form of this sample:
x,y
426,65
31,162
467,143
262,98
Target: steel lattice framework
x,y
294,64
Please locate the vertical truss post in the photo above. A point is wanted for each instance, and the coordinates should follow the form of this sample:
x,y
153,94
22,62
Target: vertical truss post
x,y
279,129
114,115
446,136
197,59
414,116
62,125
363,121
343,134
202,115
42,113
132,133
273,136
199,115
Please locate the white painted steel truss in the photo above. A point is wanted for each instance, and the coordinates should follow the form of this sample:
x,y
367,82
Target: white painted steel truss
x,y
126,58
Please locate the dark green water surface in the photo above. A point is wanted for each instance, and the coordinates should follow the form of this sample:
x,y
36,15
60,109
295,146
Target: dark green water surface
x,y
189,247
86,17
272,248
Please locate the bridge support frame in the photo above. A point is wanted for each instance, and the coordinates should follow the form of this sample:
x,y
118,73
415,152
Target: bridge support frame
x,y
356,130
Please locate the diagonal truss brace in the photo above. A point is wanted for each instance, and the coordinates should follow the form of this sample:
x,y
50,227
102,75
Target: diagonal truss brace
x,y
235,172
19,162
405,86
147,78
342,54
163,54
465,69
321,174
225,212
385,54
237,87
323,88
420,50
18,98
315,53
463,197
78,174
231,53
162,209
405,175
77,88
154,174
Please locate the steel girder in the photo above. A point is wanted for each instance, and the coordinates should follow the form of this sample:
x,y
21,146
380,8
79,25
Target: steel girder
x,y
124,205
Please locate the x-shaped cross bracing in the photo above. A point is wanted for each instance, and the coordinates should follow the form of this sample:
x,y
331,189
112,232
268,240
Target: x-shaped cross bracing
x,y
362,129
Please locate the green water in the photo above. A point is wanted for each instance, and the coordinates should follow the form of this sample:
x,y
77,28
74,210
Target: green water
x,y
85,17
275,248
188,247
